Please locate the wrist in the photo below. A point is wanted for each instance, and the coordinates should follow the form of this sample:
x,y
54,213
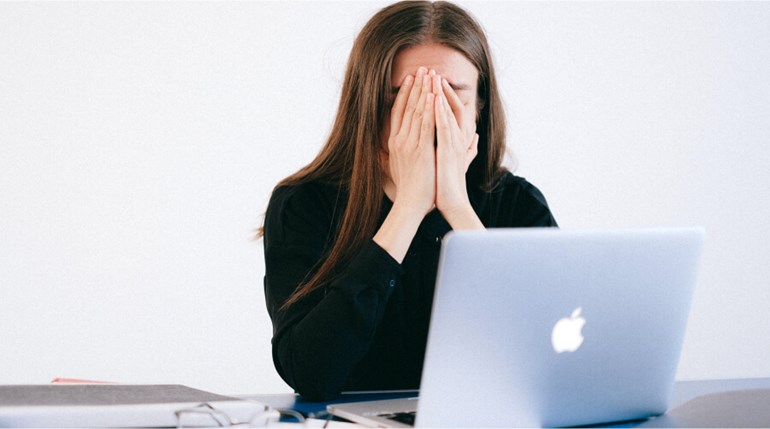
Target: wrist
x,y
410,209
462,217
397,231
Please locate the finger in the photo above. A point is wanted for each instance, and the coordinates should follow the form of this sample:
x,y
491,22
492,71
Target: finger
x,y
454,100
425,88
419,110
443,130
458,113
437,86
441,97
416,121
428,122
399,105
413,100
453,124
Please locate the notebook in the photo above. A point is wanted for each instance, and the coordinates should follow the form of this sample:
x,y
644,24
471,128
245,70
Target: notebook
x,y
548,327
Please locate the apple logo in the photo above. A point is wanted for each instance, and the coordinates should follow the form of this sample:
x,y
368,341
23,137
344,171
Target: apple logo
x,y
566,335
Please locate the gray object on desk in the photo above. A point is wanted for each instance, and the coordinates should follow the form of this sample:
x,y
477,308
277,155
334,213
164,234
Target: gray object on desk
x,y
116,405
741,408
102,394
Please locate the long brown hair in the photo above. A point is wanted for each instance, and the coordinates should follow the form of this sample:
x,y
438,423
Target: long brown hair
x,y
350,157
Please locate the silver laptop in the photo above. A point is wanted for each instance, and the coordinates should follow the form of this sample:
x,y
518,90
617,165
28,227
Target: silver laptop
x,y
548,327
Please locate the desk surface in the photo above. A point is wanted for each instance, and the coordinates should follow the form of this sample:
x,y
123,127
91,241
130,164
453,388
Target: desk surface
x,y
690,389
684,391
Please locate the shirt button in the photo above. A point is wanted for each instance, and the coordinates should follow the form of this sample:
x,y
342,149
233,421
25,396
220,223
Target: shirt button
x,y
438,239
392,283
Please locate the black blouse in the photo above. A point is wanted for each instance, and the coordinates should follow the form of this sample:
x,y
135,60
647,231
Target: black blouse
x,y
367,330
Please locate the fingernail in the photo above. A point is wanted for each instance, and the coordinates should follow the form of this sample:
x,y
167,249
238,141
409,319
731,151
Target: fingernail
x,y
432,72
408,79
421,71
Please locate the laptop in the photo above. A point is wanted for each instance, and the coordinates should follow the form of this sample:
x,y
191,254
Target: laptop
x,y
548,327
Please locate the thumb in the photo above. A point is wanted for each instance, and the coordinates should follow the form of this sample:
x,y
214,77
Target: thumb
x,y
473,150
475,143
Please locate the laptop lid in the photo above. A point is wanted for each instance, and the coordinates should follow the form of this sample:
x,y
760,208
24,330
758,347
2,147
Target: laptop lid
x,y
547,327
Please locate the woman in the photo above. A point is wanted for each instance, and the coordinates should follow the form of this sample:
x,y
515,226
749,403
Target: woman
x,y
352,239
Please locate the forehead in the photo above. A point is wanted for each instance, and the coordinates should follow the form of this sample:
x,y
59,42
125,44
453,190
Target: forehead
x,y
447,62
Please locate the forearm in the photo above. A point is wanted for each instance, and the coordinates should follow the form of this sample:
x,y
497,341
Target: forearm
x,y
317,355
398,230
321,338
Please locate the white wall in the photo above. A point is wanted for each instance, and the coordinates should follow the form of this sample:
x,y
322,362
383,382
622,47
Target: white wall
x,y
139,143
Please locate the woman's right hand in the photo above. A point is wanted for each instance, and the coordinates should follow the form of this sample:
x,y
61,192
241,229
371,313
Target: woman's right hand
x,y
411,154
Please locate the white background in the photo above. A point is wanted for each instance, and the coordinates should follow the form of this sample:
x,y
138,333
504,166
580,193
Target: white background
x,y
139,143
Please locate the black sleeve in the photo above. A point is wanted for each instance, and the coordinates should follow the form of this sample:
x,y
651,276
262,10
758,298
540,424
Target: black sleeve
x,y
318,340
524,205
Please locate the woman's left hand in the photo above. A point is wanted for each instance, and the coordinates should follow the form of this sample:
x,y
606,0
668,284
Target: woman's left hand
x,y
456,147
